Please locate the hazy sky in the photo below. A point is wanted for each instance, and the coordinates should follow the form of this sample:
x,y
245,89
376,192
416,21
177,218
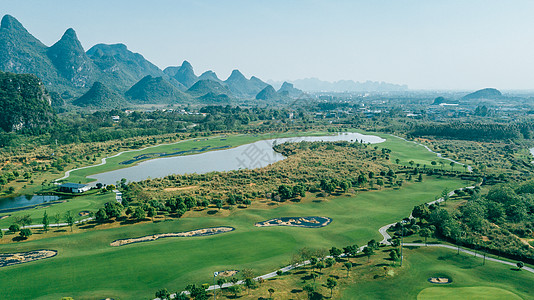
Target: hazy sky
x,y
427,44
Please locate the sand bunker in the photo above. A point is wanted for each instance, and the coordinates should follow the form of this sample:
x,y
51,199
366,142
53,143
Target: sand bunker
x,y
439,280
84,213
8,259
3,217
308,222
228,273
148,238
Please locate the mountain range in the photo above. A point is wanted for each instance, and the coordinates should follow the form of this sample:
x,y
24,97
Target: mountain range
x,y
111,75
317,85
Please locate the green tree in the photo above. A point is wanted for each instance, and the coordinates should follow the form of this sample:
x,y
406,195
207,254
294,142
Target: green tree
x,y
520,265
310,290
25,233
101,216
425,232
45,222
1,233
14,228
348,266
271,292
163,294
151,212
394,255
331,283
368,251
329,262
335,252
69,218
139,214
234,289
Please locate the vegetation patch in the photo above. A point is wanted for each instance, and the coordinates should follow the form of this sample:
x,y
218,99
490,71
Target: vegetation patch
x,y
9,259
476,292
308,222
193,233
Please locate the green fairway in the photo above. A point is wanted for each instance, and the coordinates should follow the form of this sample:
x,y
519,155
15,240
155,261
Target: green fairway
x,y
472,293
86,267
196,144
470,279
407,151
75,205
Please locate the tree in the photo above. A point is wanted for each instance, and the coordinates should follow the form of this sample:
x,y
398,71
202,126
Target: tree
x,y
309,289
113,209
46,222
101,215
235,289
350,250
394,255
139,214
331,283
221,281
57,218
368,251
271,292
329,262
69,219
1,233
421,212
348,266
335,252
285,192
425,232
25,233
151,212
163,294
520,265
14,228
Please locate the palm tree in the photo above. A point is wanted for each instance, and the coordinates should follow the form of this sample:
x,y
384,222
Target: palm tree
x,y
271,292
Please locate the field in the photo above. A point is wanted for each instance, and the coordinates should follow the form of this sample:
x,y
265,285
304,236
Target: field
x,y
471,279
87,267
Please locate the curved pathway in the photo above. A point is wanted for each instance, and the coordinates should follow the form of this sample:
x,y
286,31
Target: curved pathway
x,y
104,160
386,241
469,168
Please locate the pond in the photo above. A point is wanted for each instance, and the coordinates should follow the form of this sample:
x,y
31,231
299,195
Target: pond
x,y
26,201
250,156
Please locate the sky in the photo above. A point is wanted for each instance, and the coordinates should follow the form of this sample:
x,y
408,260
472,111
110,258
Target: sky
x,y
426,44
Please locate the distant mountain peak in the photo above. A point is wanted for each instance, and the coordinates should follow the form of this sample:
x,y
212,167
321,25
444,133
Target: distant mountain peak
x,y
236,74
186,65
9,22
268,93
209,75
487,93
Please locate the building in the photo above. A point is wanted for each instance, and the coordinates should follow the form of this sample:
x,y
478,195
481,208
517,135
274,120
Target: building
x,y
115,118
74,188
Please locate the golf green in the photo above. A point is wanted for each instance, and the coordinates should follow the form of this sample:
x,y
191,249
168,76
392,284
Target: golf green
x,y
86,267
472,293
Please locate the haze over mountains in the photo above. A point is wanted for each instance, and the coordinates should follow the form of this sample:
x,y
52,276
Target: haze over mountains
x,y
68,70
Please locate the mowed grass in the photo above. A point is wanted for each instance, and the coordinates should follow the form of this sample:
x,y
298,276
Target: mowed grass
x,y
113,163
473,293
74,205
86,267
470,279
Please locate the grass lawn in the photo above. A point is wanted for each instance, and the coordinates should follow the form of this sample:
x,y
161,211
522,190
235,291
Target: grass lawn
x,y
75,205
86,267
195,144
470,279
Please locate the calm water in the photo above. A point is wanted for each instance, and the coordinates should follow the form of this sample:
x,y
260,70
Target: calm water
x,y
249,156
11,203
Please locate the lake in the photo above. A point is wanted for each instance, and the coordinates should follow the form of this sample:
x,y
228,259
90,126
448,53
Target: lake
x,y
15,203
250,156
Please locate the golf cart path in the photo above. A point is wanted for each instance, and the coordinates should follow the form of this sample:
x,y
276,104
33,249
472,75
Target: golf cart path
x,y
386,241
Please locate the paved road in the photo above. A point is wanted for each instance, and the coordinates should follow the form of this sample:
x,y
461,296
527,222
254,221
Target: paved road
x,y
529,269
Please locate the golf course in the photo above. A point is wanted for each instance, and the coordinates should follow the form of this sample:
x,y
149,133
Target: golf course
x,y
87,266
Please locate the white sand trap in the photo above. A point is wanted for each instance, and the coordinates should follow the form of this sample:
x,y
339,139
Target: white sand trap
x,y
148,238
